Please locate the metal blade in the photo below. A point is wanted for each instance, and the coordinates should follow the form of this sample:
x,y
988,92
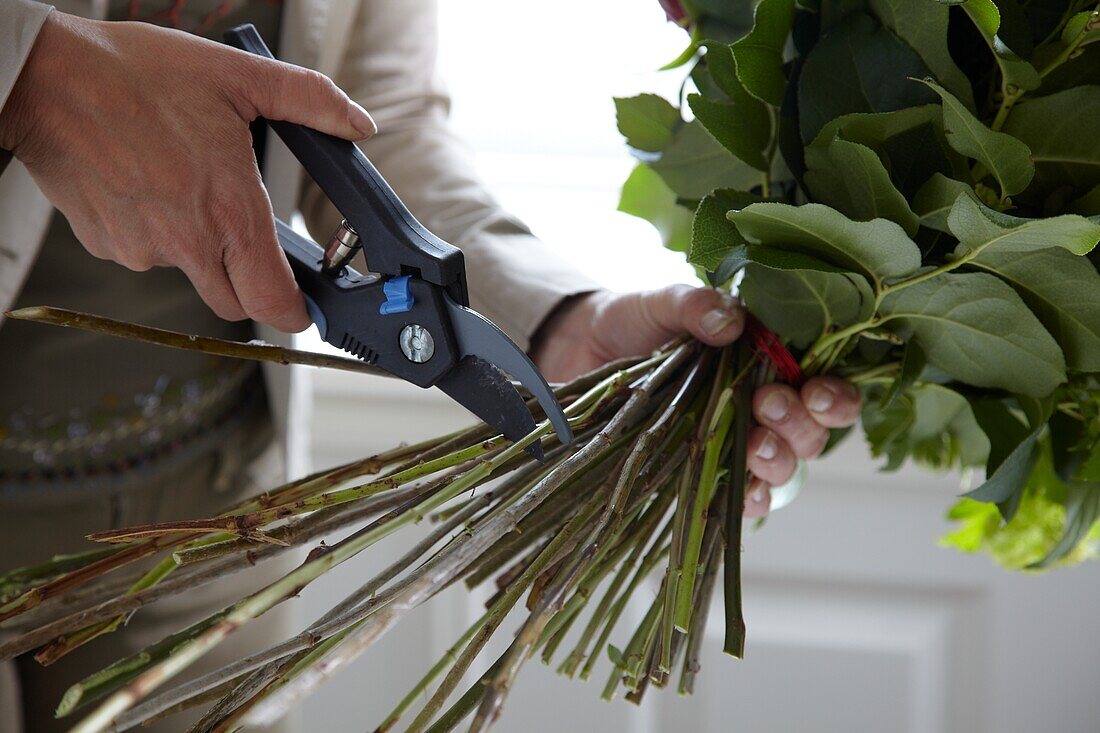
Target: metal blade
x,y
478,336
483,389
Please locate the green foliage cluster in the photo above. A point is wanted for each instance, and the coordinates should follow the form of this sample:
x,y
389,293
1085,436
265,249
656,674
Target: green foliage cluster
x,y
907,192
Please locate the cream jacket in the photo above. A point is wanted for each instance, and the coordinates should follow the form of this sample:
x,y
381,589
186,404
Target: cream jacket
x,y
382,53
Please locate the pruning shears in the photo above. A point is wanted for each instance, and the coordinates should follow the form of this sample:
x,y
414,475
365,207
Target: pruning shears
x,y
410,314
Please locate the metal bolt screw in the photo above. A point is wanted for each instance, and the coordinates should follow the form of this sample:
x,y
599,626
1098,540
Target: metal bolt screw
x,y
417,343
342,246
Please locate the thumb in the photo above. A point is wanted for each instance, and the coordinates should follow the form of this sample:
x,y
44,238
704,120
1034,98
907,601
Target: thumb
x,y
281,91
709,315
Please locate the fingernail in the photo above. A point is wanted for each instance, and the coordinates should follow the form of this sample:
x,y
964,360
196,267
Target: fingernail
x,y
361,120
821,399
716,321
759,495
775,407
768,448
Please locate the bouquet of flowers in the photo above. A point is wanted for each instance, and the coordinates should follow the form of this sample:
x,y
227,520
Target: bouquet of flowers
x,y
907,192
903,192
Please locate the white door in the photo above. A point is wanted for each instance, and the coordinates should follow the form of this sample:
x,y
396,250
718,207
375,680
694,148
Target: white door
x,y
857,620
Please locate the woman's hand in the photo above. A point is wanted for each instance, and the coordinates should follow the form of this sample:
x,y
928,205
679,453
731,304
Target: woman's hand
x,y
593,329
139,136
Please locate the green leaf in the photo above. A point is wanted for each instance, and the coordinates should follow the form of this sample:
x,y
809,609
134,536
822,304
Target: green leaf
x,y
1015,28
738,256
1078,71
851,178
859,67
1089,471
733,262
1043,17
910,142
878,248
646,196
647,121
1082,513
945,433
916,155
1005,157
886,428
936,198
1061,131
979,228
759,54
694,164
712,234
875,128
1038,526
1015,71
929,422
1087,205
782,259
800,305
923,25
1082,24
740,121
721,67
1063,290
976,329
737,15
978,521
1012,456
744,135
912,364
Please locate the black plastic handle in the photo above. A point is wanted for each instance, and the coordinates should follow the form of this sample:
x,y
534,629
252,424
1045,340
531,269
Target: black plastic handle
x,y
394,242
346,308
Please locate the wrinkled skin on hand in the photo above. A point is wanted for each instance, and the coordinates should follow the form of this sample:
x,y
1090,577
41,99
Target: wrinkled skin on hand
x,y
139,136
596,328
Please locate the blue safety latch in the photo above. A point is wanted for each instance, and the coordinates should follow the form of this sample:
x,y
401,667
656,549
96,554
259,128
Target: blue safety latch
x,y
399,298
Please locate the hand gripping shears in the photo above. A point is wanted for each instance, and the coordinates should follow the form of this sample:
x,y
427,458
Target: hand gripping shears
x,y
410,314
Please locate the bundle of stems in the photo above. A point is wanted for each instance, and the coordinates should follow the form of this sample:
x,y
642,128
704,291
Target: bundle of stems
x,y
651,491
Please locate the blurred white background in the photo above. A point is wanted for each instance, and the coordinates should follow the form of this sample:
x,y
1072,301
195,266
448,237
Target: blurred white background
x,y
857,620
532,85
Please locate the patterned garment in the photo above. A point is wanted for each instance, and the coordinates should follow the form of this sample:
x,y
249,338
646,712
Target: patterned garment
x,y
79,408
207,18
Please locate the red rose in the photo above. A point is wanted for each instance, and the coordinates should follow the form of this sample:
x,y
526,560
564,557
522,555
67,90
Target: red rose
x,y
674,11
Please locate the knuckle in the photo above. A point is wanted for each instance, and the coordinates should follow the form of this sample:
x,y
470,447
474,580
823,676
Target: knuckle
x,y
679,292
811,441
781,474
681,304
697,298
250,89
96,248
769,456
318,88
773,404
305,88
138,261
227,311
266,308
268,84
851,400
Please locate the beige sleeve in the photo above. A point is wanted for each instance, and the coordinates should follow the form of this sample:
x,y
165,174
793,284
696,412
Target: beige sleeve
x,y
514,278
20,21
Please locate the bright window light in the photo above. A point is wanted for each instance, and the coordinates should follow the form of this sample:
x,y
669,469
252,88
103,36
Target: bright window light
x,y
532,85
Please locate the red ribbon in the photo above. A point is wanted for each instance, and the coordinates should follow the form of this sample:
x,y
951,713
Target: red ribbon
x,y
768,348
